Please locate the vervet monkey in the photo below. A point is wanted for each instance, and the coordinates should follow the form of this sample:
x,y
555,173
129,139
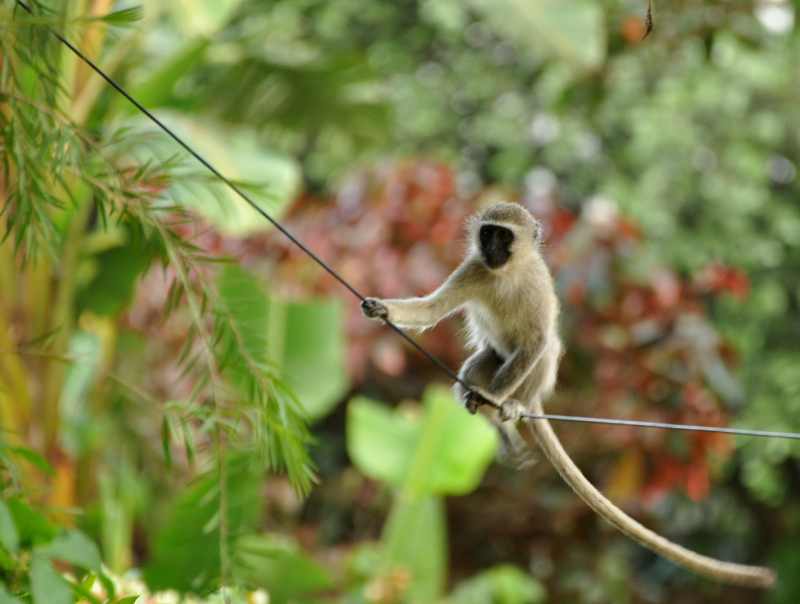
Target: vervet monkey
x,y
512,309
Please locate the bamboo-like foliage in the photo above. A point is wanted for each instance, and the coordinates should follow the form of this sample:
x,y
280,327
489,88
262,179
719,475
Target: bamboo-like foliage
x,y
64,188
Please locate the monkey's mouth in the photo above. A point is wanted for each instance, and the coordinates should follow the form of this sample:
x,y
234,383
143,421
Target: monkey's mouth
x,y
495,258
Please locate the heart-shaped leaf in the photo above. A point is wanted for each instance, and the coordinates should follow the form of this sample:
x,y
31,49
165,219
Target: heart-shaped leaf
x,y
444,452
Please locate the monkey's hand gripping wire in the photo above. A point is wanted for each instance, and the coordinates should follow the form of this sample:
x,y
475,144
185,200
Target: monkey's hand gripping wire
x,y
509,410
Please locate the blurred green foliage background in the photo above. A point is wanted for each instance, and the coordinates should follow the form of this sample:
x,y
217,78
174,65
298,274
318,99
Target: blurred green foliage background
x,y
190,406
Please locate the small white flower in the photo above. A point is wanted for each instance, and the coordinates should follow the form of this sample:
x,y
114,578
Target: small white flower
x,y
545,128
601,213
777,16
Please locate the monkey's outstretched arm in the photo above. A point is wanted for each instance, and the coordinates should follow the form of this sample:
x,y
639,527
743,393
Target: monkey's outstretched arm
x,y
728,572
427,311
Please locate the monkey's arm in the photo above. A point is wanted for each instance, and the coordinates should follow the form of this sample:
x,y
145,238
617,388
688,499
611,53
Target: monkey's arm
x,y
427,311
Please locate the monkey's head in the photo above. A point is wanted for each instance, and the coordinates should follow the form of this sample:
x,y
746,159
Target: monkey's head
x,y
504,234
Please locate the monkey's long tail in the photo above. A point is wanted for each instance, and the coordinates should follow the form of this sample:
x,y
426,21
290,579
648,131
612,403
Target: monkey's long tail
x,y
728,572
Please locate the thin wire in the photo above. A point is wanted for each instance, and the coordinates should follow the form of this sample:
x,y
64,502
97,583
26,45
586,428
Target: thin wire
x,y
431,357
663,425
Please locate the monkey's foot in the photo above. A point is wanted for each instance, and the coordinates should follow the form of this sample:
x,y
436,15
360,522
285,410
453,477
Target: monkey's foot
x,y
374,309
474,400
510,411
518,459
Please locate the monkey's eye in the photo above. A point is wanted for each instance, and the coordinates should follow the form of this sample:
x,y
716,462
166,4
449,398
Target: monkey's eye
x,y
506,236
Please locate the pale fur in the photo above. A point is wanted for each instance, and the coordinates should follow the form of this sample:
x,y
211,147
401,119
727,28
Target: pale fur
x,y
512,319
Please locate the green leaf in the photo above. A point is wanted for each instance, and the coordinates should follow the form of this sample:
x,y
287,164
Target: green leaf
x,y
47,585
73,547
415,541
125,16
32,526
503,584
303,340
166,440
186,553
261,561
313,358
203,17
9,538
82,591
244,298
115,273
127,600
444,453
281,434
7,598
380,442
157,88
455,449
32,457
570,29
108,584
271,179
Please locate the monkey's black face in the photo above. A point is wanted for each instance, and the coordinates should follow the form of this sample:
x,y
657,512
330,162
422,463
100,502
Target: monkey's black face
x,y
495,243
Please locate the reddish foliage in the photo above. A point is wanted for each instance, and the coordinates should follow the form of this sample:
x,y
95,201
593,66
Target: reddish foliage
x,y
391,232
717,278
650,349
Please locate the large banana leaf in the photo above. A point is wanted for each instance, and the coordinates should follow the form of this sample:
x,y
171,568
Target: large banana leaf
x,y
443,452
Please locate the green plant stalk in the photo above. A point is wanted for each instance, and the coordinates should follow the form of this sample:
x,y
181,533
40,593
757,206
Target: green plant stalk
x,y
94,84
69,62
116,527
411,493
88,83
62,322
224,553
210,362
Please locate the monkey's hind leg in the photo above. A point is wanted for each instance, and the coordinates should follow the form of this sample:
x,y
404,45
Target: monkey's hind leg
x,y
515,451
478,370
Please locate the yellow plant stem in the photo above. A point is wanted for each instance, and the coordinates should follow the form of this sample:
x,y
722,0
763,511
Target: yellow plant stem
x,y
36,303
15,396
62,322
69,62
91,41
